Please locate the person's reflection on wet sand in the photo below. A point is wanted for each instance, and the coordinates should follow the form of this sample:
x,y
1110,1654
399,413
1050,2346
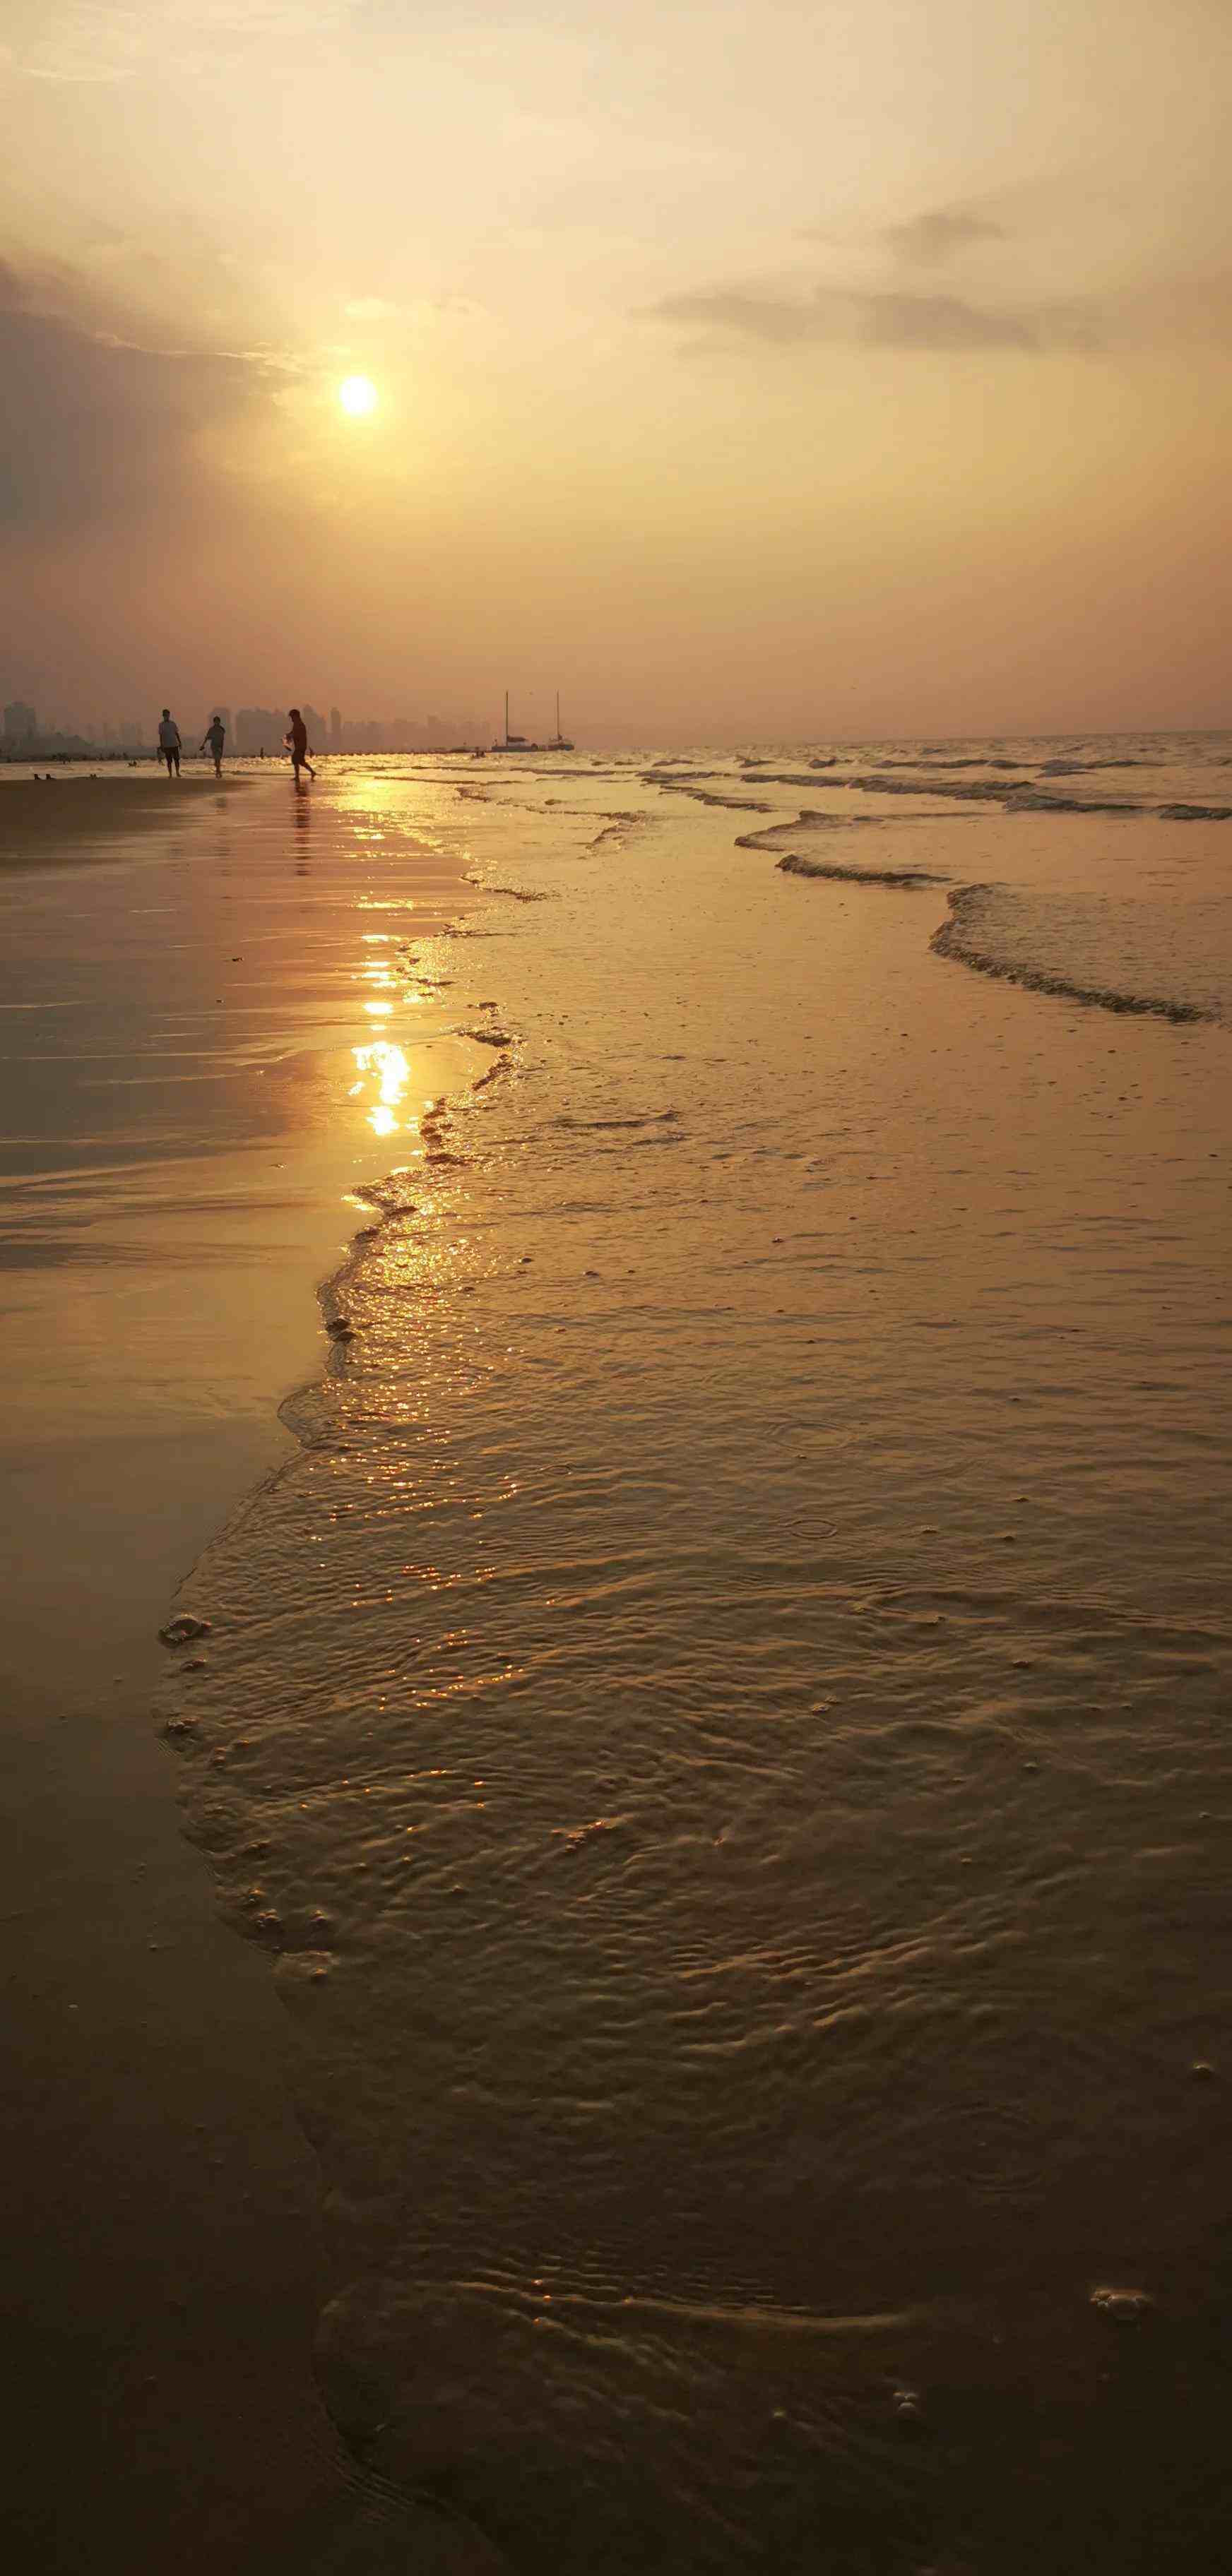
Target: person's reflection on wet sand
x,y
303,828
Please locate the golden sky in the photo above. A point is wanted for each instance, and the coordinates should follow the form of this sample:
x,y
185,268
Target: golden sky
x,y
757,372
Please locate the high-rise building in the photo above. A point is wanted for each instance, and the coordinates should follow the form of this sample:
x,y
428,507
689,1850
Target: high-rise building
x,y
20,722
259,729
335,728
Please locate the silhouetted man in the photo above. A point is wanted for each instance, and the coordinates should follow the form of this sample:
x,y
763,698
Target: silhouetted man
x,y
215,734
296,741
169,743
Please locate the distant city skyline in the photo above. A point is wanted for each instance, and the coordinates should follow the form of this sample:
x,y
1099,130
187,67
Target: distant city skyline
x,y
249,730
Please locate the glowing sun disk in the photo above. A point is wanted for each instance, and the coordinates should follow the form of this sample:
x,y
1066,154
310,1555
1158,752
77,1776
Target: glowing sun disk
x,y
357,395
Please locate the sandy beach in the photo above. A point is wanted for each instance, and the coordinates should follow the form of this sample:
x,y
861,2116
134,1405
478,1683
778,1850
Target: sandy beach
x,y
183,996
711,1736
615,1225
55,820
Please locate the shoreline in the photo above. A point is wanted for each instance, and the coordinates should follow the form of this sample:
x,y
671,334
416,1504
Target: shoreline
x,y
393,1653
535,1639
169,2287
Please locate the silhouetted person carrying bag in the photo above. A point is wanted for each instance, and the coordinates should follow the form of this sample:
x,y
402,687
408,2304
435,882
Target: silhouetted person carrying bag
x,y
215,734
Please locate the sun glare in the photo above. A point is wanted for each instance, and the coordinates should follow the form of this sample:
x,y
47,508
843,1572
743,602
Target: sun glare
x,y
357,395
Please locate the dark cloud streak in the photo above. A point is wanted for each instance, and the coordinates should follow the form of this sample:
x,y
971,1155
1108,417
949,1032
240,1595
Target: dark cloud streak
x,y
831,317
929,239
96,428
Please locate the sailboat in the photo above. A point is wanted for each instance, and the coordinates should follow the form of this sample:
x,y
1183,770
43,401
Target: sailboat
x,y
558,742
514,741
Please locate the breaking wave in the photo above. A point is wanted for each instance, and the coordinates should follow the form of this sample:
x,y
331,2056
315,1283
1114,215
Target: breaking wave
x,y
1143,958
793,865
777,835
1021,799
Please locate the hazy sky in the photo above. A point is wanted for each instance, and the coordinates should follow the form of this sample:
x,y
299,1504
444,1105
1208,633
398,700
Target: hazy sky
x,y
747,372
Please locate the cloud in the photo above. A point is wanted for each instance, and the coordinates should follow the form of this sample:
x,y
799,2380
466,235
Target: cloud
x,y
830,316
927,240
92,45
1183,312
99,429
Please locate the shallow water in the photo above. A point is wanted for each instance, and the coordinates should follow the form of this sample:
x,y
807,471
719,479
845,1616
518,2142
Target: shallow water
x,y
721,1724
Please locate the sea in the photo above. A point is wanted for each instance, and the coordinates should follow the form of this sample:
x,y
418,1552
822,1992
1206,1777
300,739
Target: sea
x,y
719,1719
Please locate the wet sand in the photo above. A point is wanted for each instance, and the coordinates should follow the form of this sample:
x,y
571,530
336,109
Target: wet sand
x,y
712,1734
183,991
54,820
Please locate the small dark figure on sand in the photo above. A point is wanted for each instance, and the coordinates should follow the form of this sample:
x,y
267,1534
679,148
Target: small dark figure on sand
x,y
296,740
169,743
215,734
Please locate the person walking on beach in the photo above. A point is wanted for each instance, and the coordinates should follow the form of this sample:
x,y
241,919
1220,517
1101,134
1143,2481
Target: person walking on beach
x,y
215,734
169,743
296,740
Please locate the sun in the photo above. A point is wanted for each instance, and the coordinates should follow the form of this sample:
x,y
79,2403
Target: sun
x,y
357,395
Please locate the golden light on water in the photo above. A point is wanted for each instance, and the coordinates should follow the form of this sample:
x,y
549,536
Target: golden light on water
x,y
357,394
392,1070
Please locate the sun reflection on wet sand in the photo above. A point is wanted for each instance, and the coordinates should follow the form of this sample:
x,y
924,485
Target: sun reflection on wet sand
x,y
178,1150
392,1070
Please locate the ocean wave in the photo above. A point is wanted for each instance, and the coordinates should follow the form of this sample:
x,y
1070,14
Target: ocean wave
x,y
616,828
759,777
1079,768
1196,813
986,791
1034,800
937,760
713,796
884,782
776,835
793,865
1113,957
516,894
